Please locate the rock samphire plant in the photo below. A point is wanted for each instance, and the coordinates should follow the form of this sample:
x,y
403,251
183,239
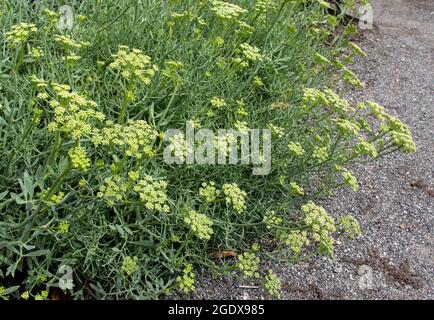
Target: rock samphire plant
x,y
87,202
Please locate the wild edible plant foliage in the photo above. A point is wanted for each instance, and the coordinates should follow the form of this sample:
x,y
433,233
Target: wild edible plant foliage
x,y
87,201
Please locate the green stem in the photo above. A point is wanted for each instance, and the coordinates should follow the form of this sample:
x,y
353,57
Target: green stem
x,y
125,102
168,105
20,59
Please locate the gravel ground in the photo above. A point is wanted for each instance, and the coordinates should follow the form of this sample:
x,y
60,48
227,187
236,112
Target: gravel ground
x,y
394,259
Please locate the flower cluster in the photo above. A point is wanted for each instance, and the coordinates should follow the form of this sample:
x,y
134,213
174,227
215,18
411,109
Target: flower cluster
x,y
349,225
377,111
320,154
250,52
256,247
296,189
241,108
235,196
25,295
53,199
398,132
296,149
226,10
248,263
244,28
241,126
295,240
20,33
79,158
279,105
313,97
38,82
218,102
225,143
257,81
113,190
271,219
133,65
219,42
265,5
272,284
350,180
356,49
53,17
72,112
171,68
200,224
153,193
276,130
71,58
209,191
400,135
36,53
321,225
179,147
134,139
327,98
42,295
347,127
63,227
133,175
181,15
69,44
37,113
129,266
239,63
186,281
366,148
351,78
337,103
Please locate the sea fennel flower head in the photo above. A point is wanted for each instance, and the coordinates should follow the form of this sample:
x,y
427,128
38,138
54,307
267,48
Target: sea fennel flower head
x,y
226,10
296,189
39,83
296,240
273,284
350,226
79,159
235,196
350,180
112,190
73,113
272,220
129,266
186,280
153,193
251,53
248,263
209,191
321,225
199,224
20,33
296,149
265,5
133,65
69,44
134,139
